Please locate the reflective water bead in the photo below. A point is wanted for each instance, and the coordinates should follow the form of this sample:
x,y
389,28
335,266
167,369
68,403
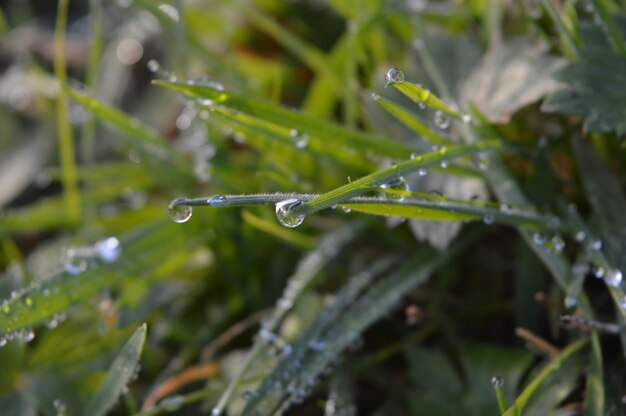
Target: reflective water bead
x,y
109,249
416,156
444,164
598,272
3,341
178,211
441,120
466,118
622,302
215,412
173,403
27,335
539,239
347,210
393,76
422,172
282,209
570,302
398,185
614,278
153,65
596,244
558,243
74,264
488,219
170,11
5,308
497,382
580,236
217,201
317,345
299,139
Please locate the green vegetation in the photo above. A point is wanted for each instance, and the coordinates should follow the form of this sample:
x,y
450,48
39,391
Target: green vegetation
x,y
312,207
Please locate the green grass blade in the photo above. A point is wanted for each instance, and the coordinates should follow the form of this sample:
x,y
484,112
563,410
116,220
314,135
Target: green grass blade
x,y
423,96
142,251
567,38
332,134
517,408
610,30
411,121
594,390
361,186
287,235
118,376
64,130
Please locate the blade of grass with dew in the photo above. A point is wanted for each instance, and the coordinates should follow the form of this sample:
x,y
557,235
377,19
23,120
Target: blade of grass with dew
x,y
119,375
361,186
289,369
64,130
333,134
339,326
328,247
282,135
411,121
424,96
517,408
141,252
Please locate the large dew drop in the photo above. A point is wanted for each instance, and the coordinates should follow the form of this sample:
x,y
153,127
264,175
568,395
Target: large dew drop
x,y
394,76
614,278
497,382
441,120
300,140
178,211
398,184
108,249
282,208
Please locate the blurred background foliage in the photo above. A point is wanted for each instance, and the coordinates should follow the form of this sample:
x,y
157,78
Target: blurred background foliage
x,y
357,314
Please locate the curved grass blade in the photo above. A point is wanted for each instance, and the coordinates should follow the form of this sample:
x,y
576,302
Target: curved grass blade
x,y
289,236
142,251
517,408
341,398
332,134
423,96
410,120
360,186
118,376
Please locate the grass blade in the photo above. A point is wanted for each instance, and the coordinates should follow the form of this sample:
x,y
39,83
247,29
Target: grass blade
x,y
118,376
332,134
64,130
423,96
517,408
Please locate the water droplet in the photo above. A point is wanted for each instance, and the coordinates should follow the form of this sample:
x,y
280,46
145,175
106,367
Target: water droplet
x,y
108,249
596,244
173,403
422,172
217,201
570,302
74,264
398,184
558,243
178,211
28,301
299,139
3,341
444,164
416,156
497,382
170,11
466,118
539,239
441,120
480,162
599,272
28,335
580,236
622,302
394,76
317,345
246,395
614,278
153,66
5,308
215,412
282,210
488,219
346,210
375,96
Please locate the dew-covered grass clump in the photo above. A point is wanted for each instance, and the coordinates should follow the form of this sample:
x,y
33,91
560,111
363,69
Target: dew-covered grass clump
x,y
399,207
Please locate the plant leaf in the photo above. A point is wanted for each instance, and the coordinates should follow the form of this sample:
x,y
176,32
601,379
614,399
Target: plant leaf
x,y
118,376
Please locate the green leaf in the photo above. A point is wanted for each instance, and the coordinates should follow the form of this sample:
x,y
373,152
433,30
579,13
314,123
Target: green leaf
x,y
518,407
118,376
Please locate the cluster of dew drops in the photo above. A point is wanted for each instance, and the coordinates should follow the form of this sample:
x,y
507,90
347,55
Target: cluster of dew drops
x,y
76,260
